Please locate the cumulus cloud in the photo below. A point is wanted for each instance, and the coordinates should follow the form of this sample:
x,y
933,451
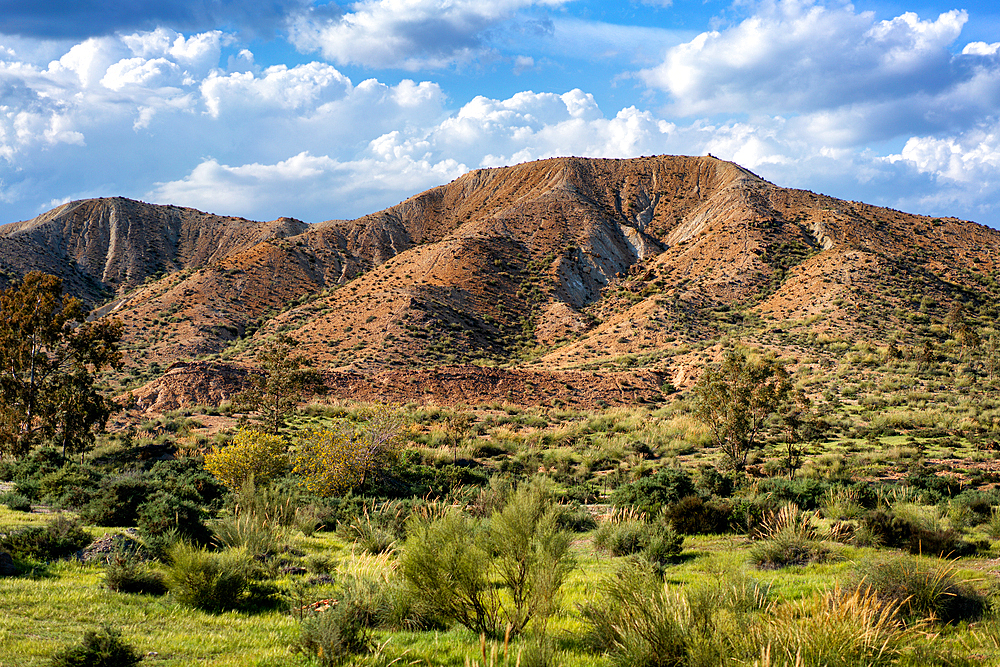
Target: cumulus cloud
x,y
797,56
963,169
407,34
195,120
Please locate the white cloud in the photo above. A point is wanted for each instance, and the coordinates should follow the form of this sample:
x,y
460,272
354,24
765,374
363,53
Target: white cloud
x,y
278,88
407,34
306,182
798,57
160,116
981,49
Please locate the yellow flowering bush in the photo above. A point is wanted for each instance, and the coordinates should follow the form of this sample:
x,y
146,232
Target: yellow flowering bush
x,y
336,459
251,454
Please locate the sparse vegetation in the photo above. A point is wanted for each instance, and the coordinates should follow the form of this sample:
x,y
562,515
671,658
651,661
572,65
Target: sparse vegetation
x,y
826,496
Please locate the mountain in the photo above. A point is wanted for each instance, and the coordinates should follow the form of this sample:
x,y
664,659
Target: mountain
x,y
626,269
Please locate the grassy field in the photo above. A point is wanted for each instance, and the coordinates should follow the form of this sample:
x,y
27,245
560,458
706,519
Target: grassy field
x,y
895,496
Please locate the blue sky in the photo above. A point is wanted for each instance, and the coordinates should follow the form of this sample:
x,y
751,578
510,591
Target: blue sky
x,y
320,110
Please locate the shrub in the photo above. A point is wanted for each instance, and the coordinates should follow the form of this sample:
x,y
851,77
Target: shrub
x,y
789,539
693,516
658,543
345,456
125,571
103,648
445,560
787,549
576,518
370,537
336,633
208,581
920,590
714,483
186,479
621,538
254,533
843,503
662,546
649,494
638,620
16,502
892,529
259,520
453,562
69,486
61,538
164,513
806,493
251,455
117,502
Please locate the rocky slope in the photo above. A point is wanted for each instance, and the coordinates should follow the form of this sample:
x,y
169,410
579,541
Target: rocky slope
x,y
620,268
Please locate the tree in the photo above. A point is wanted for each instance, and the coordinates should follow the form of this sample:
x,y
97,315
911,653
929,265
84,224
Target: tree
x,y
49,355
252,454
736,400
285,382
334,460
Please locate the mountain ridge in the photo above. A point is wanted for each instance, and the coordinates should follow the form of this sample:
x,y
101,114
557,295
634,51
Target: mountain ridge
x,y
560,265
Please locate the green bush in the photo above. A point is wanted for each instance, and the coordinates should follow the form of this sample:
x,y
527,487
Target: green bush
x,y
103,648
806,493
117,502
621,538
651,493
663,545
638,621
788,549
185,478
125,571
713,483
456,563
658,543
445,560
693,516
260,537
576,518
208,581
164,513
71,486
891,529
16,502
62,537
336,633
368,535
789,539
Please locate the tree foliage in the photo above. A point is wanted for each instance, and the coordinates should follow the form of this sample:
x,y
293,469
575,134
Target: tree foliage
x,y
286,380
251,454
343,456
49,354
736,400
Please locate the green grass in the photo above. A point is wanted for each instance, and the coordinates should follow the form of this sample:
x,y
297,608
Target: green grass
x,y
43,615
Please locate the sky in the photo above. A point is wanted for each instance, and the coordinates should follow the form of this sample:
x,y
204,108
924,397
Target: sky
x,y
322,110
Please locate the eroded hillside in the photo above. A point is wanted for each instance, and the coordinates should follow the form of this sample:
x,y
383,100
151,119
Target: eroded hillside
x,y
562,265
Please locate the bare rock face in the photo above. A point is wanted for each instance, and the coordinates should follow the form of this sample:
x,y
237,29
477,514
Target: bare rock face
x,y
101,245
193,383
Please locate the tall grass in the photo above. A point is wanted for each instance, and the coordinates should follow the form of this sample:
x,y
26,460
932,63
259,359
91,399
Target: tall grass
x,y
833,629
